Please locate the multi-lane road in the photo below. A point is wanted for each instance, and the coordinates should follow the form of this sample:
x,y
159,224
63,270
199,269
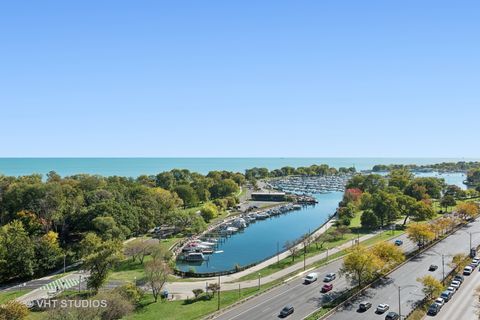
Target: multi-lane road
x,y
406,277
308,298
464,304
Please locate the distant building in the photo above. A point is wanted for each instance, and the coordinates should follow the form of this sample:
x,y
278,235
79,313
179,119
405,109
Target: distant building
x,y
268,196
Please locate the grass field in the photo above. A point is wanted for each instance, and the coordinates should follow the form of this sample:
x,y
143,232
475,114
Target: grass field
x,y
7,296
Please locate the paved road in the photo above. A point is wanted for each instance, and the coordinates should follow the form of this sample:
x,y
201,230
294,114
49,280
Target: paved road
x,y
464,304
406,277
304,298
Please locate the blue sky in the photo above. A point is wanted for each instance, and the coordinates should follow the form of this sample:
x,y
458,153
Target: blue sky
x,y
240,78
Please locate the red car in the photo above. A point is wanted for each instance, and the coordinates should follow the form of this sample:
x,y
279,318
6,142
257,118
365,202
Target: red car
x,y
327,287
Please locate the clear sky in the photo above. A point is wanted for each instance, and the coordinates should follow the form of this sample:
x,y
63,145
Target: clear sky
x,y
240,78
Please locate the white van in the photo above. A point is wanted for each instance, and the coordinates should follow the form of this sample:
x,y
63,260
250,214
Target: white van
x,y
467,271
311,277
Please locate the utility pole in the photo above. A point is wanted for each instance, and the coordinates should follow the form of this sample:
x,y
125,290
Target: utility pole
x,y
443,269
399,303
304,257
239,291
259,281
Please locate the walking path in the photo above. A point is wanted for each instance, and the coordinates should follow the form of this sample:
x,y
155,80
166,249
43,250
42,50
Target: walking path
x,y
51,287
183,290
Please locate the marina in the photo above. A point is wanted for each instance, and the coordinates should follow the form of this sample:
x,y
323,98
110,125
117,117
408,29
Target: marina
x,y
310,184
264,235
258,235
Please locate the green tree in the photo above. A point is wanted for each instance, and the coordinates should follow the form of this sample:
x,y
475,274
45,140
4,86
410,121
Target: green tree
x,y
209,211
369,220
101,261
447,201
17,254
187,194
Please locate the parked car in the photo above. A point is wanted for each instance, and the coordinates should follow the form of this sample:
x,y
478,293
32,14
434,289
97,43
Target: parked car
x,y
392,316
398,242
286,311
432,267
329,277
446,295
327,287
452,289
476,261
459,278
433,309
382,308
364,306
311,277
467,271
455,284
440,301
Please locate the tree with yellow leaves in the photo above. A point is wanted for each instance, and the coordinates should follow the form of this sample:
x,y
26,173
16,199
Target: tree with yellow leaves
x,y
420,233
360,264
431,286
389,254
467,210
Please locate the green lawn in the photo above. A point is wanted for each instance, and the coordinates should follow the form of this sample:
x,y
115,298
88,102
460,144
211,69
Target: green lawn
x,y
189,310
10,295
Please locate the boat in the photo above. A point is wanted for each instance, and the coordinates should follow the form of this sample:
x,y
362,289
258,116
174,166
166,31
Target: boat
x,y
195,256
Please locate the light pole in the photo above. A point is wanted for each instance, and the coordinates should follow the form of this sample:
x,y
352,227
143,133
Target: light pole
x,y
64,262
259,275
470,234
443,263
399,297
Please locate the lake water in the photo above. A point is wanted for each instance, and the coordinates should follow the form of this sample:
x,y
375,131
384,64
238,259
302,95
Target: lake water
x,y
133,167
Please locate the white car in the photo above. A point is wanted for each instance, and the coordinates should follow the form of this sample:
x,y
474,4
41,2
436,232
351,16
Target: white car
x,y
476,261
382,308
452,289
440,301
311,277
330,277
467,271
455,284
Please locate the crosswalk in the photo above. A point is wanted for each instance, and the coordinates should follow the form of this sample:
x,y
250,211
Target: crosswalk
x,y
61,284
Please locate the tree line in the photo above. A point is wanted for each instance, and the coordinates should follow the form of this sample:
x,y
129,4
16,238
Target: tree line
x,y
384,199
43,220
313,170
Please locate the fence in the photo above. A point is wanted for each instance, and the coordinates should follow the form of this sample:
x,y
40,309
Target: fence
x,y
189,274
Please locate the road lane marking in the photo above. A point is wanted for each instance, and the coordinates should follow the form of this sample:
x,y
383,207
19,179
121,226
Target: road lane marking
x,y
263,302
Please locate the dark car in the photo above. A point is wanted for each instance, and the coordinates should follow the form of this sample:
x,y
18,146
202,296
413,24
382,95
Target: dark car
x,y
327,287
459,278
364,306
433,267
287,310
433,309
398,242
392,316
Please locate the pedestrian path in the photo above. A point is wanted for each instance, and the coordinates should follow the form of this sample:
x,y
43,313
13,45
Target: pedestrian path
x,y
61,284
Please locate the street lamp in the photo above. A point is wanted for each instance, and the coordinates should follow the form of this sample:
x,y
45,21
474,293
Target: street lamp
x,y
443,263
399,297
259,274
470,234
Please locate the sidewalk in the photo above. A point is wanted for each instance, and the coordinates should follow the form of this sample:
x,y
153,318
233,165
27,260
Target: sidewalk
x,y
183,290
49,289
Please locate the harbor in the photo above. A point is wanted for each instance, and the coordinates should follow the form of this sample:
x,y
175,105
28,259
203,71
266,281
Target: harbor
x,y
309,185
254,236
